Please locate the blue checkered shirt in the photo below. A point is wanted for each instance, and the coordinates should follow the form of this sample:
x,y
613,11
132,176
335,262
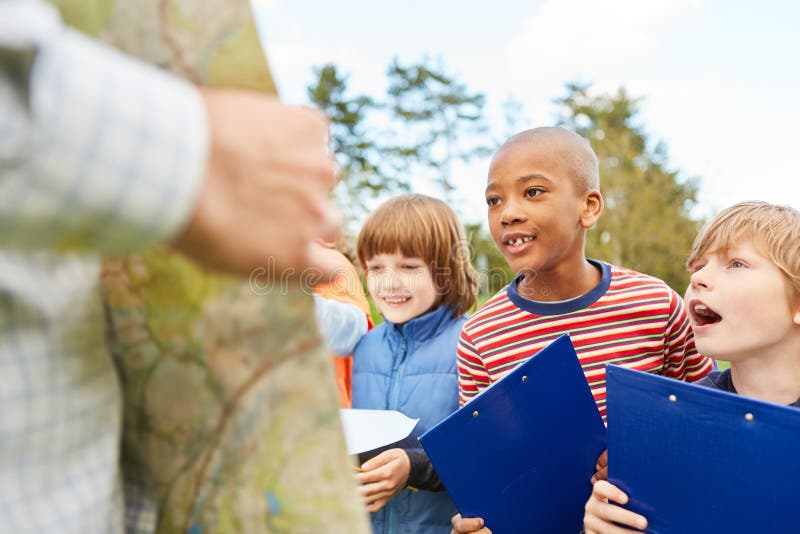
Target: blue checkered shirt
x,y
99,154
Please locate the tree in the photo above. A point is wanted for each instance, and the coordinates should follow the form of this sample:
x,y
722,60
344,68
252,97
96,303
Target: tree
x,y
427,121
647,223
353,141
442,121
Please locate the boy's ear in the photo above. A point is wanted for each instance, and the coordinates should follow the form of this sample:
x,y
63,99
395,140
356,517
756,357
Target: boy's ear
x,y
592,208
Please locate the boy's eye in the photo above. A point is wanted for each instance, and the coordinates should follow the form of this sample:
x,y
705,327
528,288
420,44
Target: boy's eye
x,y
696,266
492,201
533,192
374,268
737,264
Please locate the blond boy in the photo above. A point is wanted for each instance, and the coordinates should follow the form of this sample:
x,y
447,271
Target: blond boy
x,y
744,306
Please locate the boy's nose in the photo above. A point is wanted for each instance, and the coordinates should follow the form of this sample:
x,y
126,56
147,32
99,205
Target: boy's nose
x,y
390,279
511,214
700,278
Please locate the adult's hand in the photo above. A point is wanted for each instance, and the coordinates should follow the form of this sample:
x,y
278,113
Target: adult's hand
x,y
264,198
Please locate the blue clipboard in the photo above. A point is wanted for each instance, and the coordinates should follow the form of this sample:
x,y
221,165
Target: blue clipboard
x,y
696,460
522,453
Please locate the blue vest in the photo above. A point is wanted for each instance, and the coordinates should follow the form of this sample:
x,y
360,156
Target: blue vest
x,y
411,368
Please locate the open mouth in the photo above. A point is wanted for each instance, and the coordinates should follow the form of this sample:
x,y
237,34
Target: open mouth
x,y
517,241
703,315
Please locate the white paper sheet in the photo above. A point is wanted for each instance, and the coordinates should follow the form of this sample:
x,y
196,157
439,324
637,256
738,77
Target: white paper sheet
x,y
365,430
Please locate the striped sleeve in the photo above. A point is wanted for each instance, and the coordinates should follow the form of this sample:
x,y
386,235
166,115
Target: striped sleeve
x,y
472,374
681,359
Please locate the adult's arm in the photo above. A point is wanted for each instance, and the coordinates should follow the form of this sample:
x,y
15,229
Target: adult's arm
x,y
98,151
102,152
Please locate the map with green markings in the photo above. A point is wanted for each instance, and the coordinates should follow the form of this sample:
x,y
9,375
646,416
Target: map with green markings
x,y
231,412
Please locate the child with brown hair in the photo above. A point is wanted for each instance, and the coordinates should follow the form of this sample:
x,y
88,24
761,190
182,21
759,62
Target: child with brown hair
x,y
413,251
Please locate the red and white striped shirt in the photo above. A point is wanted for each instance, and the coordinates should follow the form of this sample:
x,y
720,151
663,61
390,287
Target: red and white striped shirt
x,y
628,319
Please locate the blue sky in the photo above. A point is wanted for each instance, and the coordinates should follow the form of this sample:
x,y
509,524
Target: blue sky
x,y
719,78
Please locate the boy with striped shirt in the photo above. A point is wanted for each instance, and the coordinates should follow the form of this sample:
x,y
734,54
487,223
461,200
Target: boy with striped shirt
x,y
542,196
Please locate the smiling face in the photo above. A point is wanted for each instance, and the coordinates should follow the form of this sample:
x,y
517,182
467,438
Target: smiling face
x,y
740,305
402,288
537,201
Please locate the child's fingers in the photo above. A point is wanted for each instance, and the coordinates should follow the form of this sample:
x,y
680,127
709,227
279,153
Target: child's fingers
x,y
383,458
602,474
374,490
378,495
375,500
373,475
602,461
464,525
376,505
601,467
604,490
602,522
601,511
606,528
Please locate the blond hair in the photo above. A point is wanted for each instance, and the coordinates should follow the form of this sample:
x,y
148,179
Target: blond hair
x,y
773,230
418,226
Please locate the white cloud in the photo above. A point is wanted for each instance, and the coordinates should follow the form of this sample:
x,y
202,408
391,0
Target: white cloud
x,y
292,55
582,40
291,64
265,6
726,132
720,126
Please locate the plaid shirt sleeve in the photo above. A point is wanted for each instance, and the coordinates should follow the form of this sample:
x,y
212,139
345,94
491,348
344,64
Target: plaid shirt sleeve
x,y
98,154
98,151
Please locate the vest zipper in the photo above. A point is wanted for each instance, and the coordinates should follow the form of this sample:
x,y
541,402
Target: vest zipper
x,y
394,394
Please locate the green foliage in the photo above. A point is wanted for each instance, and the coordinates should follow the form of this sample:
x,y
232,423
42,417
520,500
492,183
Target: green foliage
x,y
426,122
647,223
353,141
442,121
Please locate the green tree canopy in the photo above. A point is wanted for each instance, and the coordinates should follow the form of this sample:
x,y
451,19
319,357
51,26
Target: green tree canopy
x,y
647,223
427,121
354,141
